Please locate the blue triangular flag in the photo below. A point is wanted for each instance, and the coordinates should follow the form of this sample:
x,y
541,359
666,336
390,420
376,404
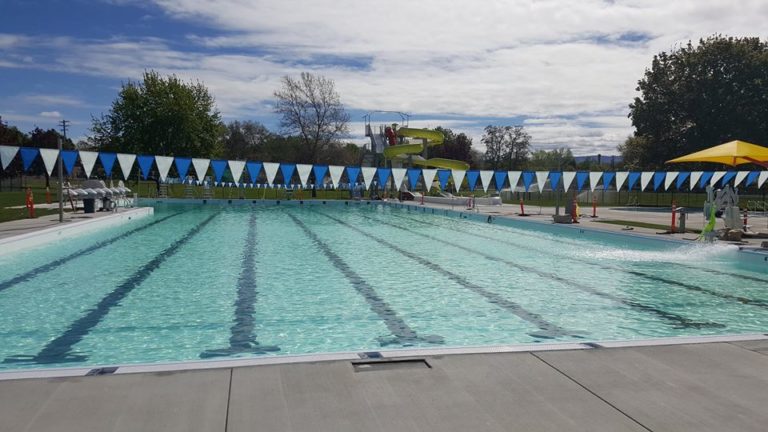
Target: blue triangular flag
x,y
472,177
554,179
442,176
28,155
287,170
383,174
254,169
608,178
499,177
658,179
107,161
751,177
705,178
681,179
68,159
353,173
145,164
633,178
219,166
528,179
182,166
413,177
727,177
581,177
320,171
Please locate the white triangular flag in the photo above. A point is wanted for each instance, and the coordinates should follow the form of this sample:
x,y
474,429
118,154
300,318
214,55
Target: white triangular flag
x,y
304,170
621,178
236,167
716,177
514,178
695,176
541,179
458,178
740,176
49,158
7,153
163,166
485,177
270,170
336,171
398,174
594,177
671,176
568,177
201,167
126,162
761,179
368,174
645,178
429,177
88,159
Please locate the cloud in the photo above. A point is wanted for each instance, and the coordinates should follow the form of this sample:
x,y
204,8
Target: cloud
x,y
50,114
52,99
566,69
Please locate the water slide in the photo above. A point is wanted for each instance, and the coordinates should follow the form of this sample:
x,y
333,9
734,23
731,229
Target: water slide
x,y
431,138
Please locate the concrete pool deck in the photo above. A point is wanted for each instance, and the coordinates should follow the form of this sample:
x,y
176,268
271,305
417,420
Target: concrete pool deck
x,y
697,387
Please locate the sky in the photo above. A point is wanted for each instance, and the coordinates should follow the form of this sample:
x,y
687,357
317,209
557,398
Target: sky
x,y
565,69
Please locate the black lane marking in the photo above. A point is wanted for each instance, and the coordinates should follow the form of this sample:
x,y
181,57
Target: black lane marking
x,y
59,350
690,287
549,330
242,338
403,334
679,320
61,261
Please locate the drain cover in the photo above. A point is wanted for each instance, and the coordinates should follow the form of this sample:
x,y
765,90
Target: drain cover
x,y
381,365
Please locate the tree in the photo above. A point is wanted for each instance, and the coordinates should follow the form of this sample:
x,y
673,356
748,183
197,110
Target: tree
x,y
11,135
506,147
245,140
160,115
458,147
698,96
47,139
557,159
310,107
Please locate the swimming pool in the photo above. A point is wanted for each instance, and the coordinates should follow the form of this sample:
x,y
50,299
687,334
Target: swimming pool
x,y
227,281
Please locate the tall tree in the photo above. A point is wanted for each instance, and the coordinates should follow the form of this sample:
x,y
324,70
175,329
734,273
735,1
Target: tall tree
x,y
507,147
245,140
698,96
556,159
311,108
160,115
455,146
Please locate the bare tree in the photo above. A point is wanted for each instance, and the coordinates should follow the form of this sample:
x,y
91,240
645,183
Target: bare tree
x,y
311,108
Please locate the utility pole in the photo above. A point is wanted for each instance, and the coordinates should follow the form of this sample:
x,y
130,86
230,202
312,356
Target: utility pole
x,y
63,124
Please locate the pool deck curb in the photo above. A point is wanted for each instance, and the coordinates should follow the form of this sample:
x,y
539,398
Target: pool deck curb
x,y
390,354
38,237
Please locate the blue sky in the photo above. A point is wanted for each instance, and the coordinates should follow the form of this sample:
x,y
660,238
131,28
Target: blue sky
x,y
564,69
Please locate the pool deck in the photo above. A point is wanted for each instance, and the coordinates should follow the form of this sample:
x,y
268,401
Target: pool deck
x,y
28,226
698,387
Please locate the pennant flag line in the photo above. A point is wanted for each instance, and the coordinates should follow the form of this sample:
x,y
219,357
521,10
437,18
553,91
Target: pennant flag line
x,y
126,162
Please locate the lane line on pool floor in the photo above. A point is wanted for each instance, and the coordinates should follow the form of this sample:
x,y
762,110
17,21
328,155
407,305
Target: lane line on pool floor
x,y
549,330
29,274
402,333
679,320
690,287
242,337
59,350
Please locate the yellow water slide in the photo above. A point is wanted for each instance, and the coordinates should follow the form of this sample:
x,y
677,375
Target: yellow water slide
x,y
430,138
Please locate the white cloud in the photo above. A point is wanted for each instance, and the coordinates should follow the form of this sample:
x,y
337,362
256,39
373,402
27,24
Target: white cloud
x,y
568,68
50,114
52,100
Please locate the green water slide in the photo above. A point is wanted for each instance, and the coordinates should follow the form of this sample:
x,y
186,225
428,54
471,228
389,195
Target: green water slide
x,y
431,138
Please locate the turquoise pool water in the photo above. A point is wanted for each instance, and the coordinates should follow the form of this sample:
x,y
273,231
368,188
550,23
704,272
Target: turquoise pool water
x,y
239,281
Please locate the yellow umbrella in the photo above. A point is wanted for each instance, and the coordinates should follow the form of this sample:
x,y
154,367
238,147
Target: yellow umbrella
x,y
731,153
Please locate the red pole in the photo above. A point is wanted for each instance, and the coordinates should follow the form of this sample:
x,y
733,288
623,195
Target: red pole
x,y
674,217
594,206
746,212
47,195
522,208
30,203
574,216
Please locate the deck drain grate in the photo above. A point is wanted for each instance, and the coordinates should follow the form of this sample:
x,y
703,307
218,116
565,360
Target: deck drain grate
x,y
382,365
370,355
101,371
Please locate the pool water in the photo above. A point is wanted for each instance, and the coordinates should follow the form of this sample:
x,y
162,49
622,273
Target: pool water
x,y
209,282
